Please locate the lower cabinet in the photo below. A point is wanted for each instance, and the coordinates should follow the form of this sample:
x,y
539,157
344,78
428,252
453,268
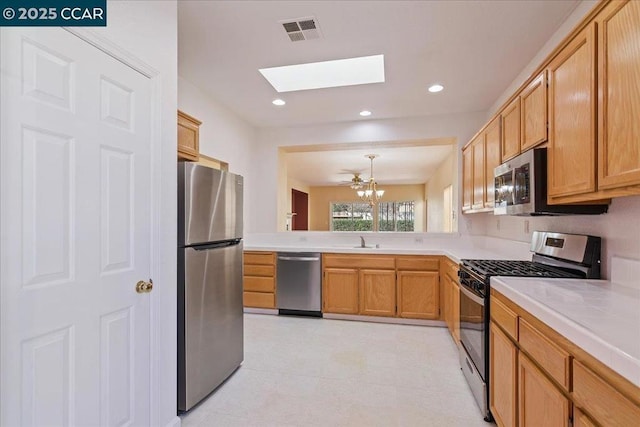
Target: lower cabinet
x,y
259,279
451,297
418,294
340,290
378,293
540,402
381,285
502,377
556,383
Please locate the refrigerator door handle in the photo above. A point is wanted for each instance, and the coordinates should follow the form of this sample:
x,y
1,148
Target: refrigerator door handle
x,y
216,245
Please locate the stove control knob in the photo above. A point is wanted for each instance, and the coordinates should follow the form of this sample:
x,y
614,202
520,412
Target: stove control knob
x,y
463,274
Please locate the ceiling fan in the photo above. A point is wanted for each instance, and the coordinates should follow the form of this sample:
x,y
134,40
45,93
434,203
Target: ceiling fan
x,y
355,183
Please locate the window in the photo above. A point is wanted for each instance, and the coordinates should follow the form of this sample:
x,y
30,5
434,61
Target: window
x,y
396,216
358,216
351,216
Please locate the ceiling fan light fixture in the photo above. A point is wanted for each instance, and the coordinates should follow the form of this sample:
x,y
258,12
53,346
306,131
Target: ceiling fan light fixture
x,y
371,194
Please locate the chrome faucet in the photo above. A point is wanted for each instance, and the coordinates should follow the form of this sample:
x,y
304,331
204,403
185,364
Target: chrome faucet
x,y
362,244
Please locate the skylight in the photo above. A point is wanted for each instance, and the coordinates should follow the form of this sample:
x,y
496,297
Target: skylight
x,y
318,75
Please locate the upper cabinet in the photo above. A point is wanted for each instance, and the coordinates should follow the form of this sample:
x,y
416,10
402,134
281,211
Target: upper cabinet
x,y
492,141
534,116
584,103
467,178
479,159
188,137
594,148
619,95
477,148
511,130
572,108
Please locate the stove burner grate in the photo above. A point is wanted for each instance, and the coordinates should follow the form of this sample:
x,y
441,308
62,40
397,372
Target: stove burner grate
x,y
516,268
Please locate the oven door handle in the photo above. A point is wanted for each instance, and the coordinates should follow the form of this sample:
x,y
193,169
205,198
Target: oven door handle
x,y
473,297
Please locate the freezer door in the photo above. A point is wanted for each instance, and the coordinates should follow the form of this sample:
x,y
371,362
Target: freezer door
x,y
210,326
209,204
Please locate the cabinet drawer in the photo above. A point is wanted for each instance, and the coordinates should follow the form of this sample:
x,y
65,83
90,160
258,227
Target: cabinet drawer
x,y
504,317
259,284
351,261
602,401
417,263
259,258
554,360
259,270
259,299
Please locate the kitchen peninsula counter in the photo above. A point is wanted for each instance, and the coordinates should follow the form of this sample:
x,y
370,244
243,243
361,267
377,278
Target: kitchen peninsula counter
x,y
600,317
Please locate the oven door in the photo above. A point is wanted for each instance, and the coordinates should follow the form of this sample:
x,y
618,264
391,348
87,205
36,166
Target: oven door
x,y
473,327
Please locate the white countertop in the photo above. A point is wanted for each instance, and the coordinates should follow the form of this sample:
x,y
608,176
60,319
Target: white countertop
x,y
601,317
454,247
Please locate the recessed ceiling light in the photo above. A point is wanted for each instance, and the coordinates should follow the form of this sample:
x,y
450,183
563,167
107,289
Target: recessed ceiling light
x,y
318,75
278,102
365,113
435,88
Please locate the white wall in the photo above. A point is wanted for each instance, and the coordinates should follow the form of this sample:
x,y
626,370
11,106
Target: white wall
x,y
620,228
223,135
149,31
266,160
442,178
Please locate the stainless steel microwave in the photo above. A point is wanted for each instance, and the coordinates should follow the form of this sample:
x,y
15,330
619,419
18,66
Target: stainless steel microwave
x,y
521,188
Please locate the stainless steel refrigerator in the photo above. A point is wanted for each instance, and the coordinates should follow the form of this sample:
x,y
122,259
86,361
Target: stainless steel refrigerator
x,y
210,326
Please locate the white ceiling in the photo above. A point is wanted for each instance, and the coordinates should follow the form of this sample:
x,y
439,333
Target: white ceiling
x,y
474,48
396,165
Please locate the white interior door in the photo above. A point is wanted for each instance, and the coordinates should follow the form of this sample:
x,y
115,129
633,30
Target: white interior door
x,y
76,234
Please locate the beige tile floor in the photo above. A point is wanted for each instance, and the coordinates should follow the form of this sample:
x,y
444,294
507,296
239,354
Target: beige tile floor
x,y
321,372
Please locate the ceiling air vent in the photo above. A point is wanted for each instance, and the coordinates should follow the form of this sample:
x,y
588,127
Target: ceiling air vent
x,y
301,29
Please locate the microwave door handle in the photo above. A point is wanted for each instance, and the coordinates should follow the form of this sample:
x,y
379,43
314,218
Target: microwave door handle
x,y
473,297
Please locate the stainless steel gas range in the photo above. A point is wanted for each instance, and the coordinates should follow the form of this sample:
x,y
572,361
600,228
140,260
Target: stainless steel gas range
x,y
556,255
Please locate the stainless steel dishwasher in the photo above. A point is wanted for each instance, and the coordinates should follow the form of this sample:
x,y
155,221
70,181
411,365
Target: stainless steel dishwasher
x,y
299,283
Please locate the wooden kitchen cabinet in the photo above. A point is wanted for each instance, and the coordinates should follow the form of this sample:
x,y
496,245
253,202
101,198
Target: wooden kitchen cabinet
x,y
492,160
583,101
604,403
418,294
479,185
418,287
340,290
451,297
619,96
511,130
382,285
467,178
479,159
259,279
534,115
580,419
571,154
555,377
188,137
540,402
502,377
377,293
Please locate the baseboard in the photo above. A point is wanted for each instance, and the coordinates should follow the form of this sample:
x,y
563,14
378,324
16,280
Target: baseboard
x,y
176,422
260,310
394,320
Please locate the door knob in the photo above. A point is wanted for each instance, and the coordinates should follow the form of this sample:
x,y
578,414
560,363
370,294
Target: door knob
x,y
143,287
